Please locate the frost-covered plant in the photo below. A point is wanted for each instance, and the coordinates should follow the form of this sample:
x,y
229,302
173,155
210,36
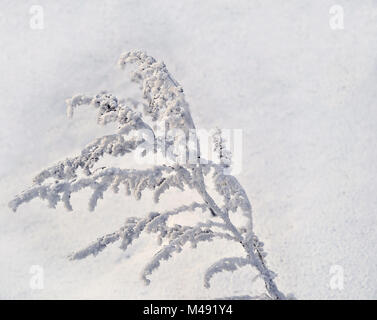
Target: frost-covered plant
x,y
166,108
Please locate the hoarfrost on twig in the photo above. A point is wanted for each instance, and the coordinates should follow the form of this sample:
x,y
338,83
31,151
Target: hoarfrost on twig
x,y
165,106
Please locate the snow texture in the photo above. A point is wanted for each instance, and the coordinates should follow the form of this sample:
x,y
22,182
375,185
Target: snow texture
x,y
302,93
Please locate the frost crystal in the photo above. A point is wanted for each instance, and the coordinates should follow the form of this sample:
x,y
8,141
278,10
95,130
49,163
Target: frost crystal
x,y
166,108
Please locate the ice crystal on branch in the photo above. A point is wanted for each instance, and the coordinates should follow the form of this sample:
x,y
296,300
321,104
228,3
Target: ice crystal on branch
x,y
165,110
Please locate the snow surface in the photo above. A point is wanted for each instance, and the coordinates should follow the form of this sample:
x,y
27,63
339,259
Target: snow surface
x,y
303,94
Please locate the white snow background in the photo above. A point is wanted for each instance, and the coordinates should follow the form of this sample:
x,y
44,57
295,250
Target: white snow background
x,y
303,94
